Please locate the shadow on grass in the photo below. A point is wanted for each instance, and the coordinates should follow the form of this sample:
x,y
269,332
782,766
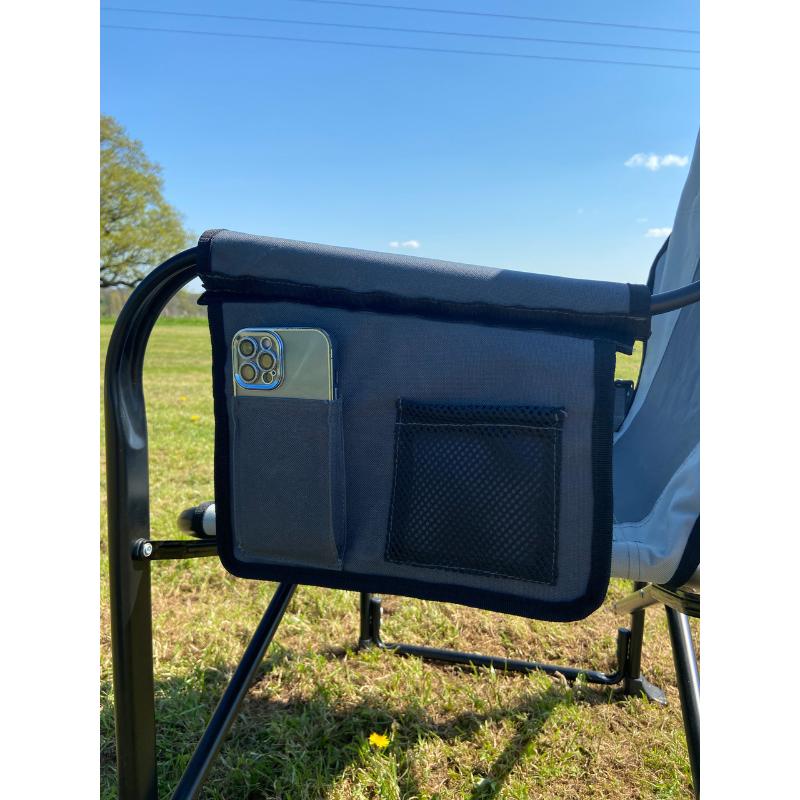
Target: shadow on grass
x,y
297,749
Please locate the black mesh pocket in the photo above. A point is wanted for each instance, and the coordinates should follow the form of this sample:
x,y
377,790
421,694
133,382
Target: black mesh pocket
x,y
476,489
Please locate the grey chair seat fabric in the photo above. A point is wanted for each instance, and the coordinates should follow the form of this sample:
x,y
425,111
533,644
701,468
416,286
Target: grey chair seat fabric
x,y
657,449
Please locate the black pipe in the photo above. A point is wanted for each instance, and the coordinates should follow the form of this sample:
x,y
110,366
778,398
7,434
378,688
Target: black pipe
x,y
129,521
228,707
677,298
365,620
680,635
634,666
501,664
371,632
640,599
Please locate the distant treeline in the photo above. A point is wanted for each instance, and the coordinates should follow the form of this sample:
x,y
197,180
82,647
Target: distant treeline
x,y
184,304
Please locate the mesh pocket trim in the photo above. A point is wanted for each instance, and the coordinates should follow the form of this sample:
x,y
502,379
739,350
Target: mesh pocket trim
x,y
509,445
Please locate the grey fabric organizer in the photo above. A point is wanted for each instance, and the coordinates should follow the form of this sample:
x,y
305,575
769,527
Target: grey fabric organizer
x,y
467,455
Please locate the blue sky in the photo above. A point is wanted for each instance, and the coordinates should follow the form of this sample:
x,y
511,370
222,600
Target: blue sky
x,y
499,161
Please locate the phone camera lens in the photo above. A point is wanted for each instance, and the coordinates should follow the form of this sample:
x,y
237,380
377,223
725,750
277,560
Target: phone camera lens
x,y
248,373
268,377
266,361
247,347
267,343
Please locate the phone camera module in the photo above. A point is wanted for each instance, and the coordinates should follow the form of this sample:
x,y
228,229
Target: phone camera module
x,y
248,373
247,347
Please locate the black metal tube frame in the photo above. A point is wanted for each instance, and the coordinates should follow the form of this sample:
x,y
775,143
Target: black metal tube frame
x,y
228,707
688,686
675,299
129,522
646,595
131,550
371,623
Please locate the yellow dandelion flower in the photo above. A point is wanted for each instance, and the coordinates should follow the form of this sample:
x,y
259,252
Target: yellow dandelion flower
x,y
195,418
183,398
379,740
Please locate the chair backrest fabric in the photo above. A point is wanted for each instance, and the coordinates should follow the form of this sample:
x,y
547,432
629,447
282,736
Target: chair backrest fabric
x,y
657,449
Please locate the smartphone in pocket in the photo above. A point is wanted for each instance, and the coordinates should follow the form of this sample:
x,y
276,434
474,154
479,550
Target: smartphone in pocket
x,y
283,362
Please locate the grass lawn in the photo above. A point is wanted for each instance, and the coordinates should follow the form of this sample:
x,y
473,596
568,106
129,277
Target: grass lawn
x,y
304,729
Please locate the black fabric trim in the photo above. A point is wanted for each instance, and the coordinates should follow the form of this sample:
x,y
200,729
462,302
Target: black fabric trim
x,y
690,560
591,325
602,448
640,304
204,249
222,472
624,328
579,608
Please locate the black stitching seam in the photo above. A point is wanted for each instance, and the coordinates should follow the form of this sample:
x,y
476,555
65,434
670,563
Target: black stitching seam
x,y
630,326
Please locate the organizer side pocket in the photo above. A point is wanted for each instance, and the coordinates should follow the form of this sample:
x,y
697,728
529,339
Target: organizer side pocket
x,y
477,489
288,482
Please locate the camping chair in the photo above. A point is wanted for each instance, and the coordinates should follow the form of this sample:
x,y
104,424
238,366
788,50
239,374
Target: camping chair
x,y
484,345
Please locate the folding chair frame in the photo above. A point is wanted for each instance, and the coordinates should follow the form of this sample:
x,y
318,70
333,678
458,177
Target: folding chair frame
x,y
131,550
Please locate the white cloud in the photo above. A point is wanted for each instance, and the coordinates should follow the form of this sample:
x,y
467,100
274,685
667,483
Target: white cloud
x,y
409,244
658,233
655,162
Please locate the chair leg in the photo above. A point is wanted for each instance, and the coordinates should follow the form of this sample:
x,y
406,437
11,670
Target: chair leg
x,y
132,649
365,632
688,686
371,637
228,707
634,683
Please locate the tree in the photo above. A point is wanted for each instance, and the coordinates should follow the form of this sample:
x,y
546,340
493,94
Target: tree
x,y
138,228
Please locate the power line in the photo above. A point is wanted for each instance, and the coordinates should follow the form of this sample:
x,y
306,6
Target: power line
x,y
464,13
491,53
397,30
